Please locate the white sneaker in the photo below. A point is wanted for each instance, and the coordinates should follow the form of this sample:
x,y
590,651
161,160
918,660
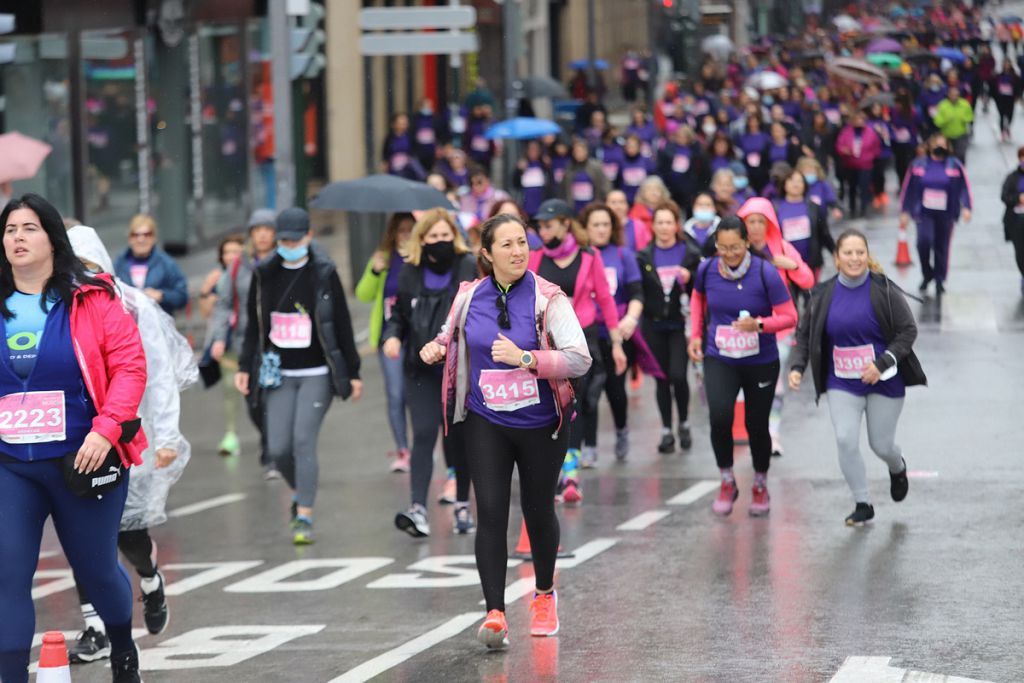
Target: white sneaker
x,y
413,522
588,457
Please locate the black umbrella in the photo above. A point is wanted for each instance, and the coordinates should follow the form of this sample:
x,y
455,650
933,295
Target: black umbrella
x,y
542,86
380,193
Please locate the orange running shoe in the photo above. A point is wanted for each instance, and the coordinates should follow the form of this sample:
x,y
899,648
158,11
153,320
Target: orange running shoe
x,y
494,631
544,614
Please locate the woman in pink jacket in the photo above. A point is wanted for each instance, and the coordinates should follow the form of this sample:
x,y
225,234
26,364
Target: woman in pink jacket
x,y
71,380
858,146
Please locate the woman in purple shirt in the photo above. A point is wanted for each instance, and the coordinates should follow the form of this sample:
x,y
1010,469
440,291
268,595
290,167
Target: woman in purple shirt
x,y
754,147
634,169
857,335
804,224
511,344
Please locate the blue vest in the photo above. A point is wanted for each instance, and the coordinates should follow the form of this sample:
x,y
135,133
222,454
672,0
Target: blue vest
x,y
56,369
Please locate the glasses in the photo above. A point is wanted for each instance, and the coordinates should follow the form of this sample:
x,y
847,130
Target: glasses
x,y
502,303
734,249
140,235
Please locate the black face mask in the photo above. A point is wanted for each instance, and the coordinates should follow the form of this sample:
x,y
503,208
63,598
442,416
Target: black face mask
x,y
439,256
554,243
940,152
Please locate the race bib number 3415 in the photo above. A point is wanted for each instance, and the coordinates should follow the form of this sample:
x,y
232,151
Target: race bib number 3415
x,y
508,390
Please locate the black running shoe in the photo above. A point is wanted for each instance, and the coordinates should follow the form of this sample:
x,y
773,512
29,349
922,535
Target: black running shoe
x,y
899,484
685,439
861,514
90,646
154,609
667,445
939,289
924,285
125,667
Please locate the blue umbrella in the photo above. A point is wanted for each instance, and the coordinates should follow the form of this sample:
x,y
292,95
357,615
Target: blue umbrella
x,y
950,53
522,128
1011,19
585,64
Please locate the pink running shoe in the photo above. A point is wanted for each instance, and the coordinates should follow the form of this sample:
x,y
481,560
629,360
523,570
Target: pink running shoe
x,y
401,463
727,495
759,503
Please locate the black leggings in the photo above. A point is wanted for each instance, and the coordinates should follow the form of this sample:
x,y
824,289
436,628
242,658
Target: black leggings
x,y
1005,106
722,382
614,389
588,390
1018,248
878,175
137,547
423,397
669,349
496,450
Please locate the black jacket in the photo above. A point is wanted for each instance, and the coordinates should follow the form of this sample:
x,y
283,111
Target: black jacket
x,y
821,238
658,306
1012,222
330,316
684,186
418,313
894,317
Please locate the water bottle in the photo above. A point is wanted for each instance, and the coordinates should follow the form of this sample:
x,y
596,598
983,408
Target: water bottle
x,y
744,314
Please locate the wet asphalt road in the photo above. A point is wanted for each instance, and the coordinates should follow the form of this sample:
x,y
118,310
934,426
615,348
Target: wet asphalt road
x,y
674,595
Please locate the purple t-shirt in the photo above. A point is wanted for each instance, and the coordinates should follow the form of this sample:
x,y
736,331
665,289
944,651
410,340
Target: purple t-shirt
x,y
391,281
621,270
633,172
480,332
582,191
534,183
796,225
720,162
851,326
757,292
821,193
778,153
611,159
432,280
752,146
558,166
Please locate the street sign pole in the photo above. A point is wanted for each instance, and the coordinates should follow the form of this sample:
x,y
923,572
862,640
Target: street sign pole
x,y
281,83
511,45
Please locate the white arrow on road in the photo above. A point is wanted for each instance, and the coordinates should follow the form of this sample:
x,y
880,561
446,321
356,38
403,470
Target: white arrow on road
x,y
877,670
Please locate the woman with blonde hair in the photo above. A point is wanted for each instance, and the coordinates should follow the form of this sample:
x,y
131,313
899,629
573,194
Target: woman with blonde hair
x,y
652,193
149,268
437,262
857,335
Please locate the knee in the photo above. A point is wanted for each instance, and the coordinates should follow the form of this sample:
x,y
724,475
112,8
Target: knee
x,y
882,446
847,440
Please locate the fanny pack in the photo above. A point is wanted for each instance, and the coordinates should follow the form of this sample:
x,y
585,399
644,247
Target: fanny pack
x,y
106,477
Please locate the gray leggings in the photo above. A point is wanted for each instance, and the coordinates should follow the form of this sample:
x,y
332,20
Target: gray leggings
x,y
882,415
295,411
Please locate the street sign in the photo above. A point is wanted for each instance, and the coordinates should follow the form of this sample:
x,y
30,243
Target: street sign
x,y
405,18
392,44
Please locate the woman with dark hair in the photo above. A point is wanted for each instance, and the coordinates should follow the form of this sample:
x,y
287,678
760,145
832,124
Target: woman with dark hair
x,y
532,177
804,224
511,344
753,144
721,152
75,360
635,168
818,139
1006,88
739,302
398,155
905,121
1013,215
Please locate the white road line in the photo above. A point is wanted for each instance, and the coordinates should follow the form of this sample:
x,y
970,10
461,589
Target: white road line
x,y
393,658
43,554
202,505
524,586
694,493
644,520
877,670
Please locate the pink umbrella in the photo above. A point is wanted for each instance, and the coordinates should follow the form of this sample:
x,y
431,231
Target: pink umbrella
x,y
20,156
884,45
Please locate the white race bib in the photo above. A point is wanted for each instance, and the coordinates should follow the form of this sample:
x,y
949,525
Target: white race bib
x,y
934,199
850,361
796,228
733,343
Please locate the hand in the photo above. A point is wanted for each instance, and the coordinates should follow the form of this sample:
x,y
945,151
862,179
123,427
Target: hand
x,y
904,220
684,275
154,294
871,375
696,350
432,353
242,383
164,457
1020,199
619,356
380,261
357,389
521,164
837,214
217,350
504,350
794,380
392,348
92,453
784,262
627,326
746,325
965,215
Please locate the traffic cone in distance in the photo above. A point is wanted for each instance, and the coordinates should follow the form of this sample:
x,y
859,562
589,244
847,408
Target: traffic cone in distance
x,y
53,659
739,421
523,546
903,250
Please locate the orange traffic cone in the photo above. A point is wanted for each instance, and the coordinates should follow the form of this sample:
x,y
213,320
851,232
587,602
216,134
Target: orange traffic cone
x,y
53,659
903,250
523,546
739,421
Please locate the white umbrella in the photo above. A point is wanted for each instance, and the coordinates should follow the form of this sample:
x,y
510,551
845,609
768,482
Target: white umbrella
x,y
718,46
846,23
767,80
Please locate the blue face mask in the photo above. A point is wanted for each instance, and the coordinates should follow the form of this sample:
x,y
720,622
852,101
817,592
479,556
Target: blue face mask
x,y
811,178
704,215
741,182
768,100
293,253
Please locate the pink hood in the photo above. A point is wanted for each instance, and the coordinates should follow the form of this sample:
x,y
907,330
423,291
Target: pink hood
x,y
802,276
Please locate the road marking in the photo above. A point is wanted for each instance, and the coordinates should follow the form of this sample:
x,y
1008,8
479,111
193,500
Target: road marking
x,y
43,554
644,520
393,658
206,504
524,586
694,493
922,474
220,646
877,670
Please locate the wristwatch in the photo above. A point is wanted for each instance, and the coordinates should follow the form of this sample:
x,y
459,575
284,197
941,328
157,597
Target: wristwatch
x,y
526,360
760,325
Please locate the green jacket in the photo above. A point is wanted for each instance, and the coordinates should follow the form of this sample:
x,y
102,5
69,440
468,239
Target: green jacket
x,y
953,119
371,289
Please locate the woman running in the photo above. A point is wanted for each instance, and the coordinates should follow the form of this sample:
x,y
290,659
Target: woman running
x,y
1013,216
505,335
300,329
437,262
701,227
604,231
666,267
568,262
739,302
379,286
74,358
804,224
857,336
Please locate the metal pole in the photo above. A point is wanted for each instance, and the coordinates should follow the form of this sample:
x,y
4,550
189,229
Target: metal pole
x,y
511,45
79,145
281,83
654,40
591,47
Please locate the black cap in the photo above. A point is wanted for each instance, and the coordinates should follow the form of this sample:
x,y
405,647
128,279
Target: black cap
x,y
553,208
292,224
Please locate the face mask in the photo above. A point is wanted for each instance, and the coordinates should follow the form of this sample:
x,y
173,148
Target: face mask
x,y
811,178
293,253
710,130
554,243
704,215
439,256
741,182
768,100
935,88
427,112
940,152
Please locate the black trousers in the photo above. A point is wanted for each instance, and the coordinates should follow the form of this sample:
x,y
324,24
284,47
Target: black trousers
x,y
722,382
496,451
1017,237
423,397
669,349
614,389
589,388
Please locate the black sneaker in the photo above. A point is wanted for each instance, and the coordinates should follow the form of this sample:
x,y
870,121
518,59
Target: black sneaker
x,y
939,289
294,512
923,287
899,484
154,609
685,439
861,514
125,667
667,445
90,646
